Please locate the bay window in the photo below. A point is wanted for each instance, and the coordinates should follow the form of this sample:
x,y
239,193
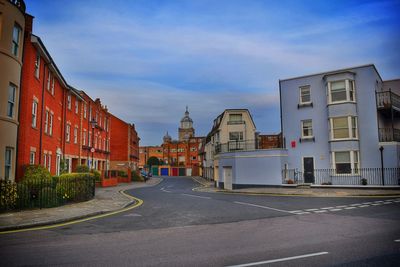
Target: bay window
x,y
344,128
346,162
341,91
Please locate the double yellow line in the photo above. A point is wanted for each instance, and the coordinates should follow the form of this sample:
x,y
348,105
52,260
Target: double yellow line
x,y
138,202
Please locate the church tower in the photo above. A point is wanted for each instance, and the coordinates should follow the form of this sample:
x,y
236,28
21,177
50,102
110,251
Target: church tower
x,y
186,129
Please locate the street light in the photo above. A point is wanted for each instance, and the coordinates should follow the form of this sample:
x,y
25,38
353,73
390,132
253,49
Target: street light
x,y
93,122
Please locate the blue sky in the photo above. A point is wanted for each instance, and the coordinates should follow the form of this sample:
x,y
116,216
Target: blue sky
x,y
148,59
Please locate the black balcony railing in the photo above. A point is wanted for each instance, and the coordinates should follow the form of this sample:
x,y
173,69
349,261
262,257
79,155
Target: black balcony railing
x,y
389,135
387,100
363,176
233,146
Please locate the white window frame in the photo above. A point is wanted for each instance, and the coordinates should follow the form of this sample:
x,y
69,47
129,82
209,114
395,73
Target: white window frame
x,y
75,134
49,162
347,88
46,121
11,100
34,113
16,39
51,119
48,80
8,159
37,65
301,96
84,137
69,101
240,136
76,106
354,162
52,85
32,157
68,133
350,128
302,130
84,110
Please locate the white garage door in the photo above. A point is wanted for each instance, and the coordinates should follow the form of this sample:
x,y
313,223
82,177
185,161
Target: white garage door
x,y
228,178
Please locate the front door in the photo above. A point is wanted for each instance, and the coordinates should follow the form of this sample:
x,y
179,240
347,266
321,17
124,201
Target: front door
x,y
308,168
227,178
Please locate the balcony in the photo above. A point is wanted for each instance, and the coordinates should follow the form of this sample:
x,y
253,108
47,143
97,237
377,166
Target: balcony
x,y
389,135
238,145
236,122
388,102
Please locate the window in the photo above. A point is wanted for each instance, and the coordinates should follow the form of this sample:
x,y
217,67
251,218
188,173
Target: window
x,y
51,123
11,100
32,157
346,162
16,36
90,139
45,160
340,91
306,129
48,80
34,113
76,106
8,163
95,142
305,95
192,149
236,136
84,138
68,133
235,119
76,134
90,113
46,122
52,85
84,110
344,128
49,162
37,65
69,102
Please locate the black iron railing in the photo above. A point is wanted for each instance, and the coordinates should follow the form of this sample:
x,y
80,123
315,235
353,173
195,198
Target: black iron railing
x,y
363,176
233,146
46,193
389,135
387,99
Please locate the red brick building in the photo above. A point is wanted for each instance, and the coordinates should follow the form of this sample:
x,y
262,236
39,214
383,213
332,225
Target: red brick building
x,y
124,142
146,152
58,123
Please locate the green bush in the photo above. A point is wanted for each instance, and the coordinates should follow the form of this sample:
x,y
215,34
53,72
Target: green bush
x,y
97,175
122,174
75,186
36,172
82,169
48,197
364,181
135,177
23,195
8,194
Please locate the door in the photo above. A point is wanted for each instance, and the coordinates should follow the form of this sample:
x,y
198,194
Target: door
x,y
182,171
227,178
164,171
174,171
154,170
308,168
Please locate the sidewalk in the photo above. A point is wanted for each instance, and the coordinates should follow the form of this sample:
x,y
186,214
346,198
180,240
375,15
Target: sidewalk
x,y
208,186
107,199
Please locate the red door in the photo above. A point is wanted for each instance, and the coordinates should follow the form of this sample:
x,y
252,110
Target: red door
x,y
174,171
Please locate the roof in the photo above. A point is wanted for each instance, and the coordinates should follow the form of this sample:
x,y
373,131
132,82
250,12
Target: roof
x,y
333,72
218,121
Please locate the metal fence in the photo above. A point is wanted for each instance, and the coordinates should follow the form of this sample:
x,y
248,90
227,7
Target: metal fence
x,y
46,193
363,176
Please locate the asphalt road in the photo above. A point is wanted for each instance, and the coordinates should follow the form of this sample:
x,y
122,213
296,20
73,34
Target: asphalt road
x,y
179,227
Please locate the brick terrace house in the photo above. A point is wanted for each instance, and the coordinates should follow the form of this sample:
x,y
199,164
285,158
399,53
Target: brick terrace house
x,y
146,152
58,123
124,146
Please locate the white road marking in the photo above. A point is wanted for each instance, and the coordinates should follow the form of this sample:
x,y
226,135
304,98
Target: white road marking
x,y
195,196
281,259
397,240
353,205
335,209
363,206
311,209
327,208
341,206
166,191
376,204
133,215
350,208
320,211
263,207
387,202
300,213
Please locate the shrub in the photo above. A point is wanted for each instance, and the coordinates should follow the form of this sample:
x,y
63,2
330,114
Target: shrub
x,y
75,186
48,198
135,177
23,195
97,175
364,181
82,169
36,172
8,194
122,174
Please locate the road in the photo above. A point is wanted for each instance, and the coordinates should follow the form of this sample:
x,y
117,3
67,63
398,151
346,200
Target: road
x,y
177,226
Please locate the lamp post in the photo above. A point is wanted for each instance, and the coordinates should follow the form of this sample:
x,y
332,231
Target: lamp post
x,y
93,122
383,172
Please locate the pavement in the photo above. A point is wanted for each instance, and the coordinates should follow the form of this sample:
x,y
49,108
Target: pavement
x,y
106,200
320,191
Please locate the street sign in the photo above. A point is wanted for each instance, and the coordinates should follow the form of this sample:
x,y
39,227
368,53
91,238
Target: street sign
x,y
92,150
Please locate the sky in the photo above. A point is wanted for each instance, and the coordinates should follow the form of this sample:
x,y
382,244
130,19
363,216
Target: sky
x,y
146,60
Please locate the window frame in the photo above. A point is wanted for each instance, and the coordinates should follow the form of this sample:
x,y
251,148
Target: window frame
x,y
351,129
75,134
15,44
301,102
302,130
240,136
37,65
35,105
354,156
68,133
32,157
350,98
11,102
8,160
69,101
